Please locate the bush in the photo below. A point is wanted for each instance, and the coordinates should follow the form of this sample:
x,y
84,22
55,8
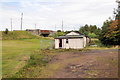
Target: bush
x,y
58,34
59,31
6,31
92,35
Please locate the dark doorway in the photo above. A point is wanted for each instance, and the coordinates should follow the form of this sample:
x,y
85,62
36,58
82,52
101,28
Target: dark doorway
x,y
60,43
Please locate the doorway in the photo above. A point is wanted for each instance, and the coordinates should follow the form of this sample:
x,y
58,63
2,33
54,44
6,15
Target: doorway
x,y
60,43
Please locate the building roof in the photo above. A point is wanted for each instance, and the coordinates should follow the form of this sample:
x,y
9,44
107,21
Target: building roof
x,y
71,36
68,37
75,32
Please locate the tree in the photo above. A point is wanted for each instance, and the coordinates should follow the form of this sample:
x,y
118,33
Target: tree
x,y
86,27
58,30
110,33
92,35
82,30
6,31
113,33
97,32
104,31
93,28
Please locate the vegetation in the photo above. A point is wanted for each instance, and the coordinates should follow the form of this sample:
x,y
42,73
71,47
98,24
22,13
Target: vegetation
x,y
59,31
90,31
58,34
16,53
17,46
6,31
92,35
38,60
110,34
99,45
35,64
14,35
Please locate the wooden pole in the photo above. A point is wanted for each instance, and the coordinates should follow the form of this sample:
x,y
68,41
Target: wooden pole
x,y
62,25
55,27
21,20
11,24
35,26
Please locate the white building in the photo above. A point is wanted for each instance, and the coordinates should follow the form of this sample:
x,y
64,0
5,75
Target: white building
x,y
73,40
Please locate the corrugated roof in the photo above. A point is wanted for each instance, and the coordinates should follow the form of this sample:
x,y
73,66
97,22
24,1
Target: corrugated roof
x,y
68,37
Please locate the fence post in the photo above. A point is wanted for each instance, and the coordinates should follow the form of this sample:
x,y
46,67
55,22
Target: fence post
x,y
40,44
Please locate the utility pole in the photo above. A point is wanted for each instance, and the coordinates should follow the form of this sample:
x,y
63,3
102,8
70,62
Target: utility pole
x,y
62,25
21,20
11,23
74,28
55,27
35,26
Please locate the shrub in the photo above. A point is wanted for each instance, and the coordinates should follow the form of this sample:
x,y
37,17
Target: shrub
x,y
92,35
6,31
58,34
59,31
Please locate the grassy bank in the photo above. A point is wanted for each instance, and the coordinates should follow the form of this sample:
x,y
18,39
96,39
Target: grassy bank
x,y
14,35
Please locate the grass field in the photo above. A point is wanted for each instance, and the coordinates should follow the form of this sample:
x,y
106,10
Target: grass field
x,y
15,53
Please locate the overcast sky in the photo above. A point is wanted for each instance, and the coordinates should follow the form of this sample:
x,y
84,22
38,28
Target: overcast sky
x,y
48,13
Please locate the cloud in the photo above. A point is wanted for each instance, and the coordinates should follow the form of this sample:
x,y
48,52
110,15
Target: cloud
x,y
47,13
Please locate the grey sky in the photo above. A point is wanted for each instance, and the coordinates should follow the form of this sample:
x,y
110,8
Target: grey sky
x,y
47,13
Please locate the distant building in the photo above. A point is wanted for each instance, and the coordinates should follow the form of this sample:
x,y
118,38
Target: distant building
x,y
44,33
74,40
39,32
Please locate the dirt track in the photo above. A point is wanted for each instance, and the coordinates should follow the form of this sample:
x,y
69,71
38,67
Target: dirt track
x,y
87,64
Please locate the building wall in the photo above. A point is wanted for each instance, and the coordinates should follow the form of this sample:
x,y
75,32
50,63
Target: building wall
x,y
72,43
56,43
84,41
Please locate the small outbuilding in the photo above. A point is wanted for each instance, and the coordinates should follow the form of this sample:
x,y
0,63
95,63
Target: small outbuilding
x,y
74,40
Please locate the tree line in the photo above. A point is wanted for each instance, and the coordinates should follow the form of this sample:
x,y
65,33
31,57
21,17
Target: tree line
x,y
90,30
109,34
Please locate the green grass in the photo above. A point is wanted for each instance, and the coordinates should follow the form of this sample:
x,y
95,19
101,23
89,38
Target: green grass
x,y
13,35
35,64
99,45
15,53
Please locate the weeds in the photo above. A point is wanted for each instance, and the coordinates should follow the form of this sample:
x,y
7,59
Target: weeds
x,y
38,60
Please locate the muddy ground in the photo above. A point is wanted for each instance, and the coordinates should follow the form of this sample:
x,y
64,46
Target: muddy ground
x,y
86,64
